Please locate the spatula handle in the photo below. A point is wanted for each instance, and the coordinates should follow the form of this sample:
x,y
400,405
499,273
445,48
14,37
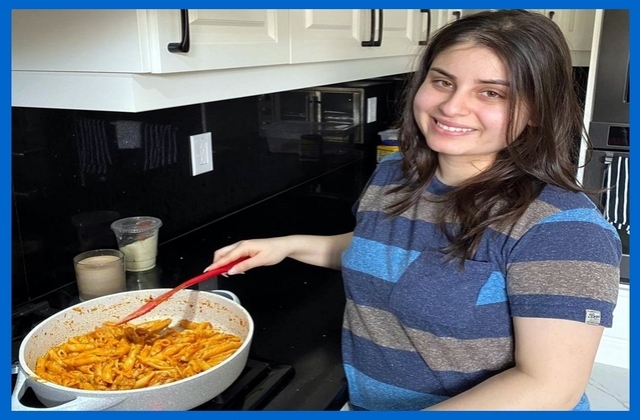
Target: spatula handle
x,y
159,299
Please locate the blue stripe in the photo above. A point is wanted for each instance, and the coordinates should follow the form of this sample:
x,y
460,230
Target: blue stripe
x,y
368,290
370,394
560,307
580,215
569,241
404,368
392,156
376,259
583,404
420,233
493,291
472,326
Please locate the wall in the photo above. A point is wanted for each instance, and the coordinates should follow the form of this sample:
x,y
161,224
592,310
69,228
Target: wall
x,y
74,172
614,346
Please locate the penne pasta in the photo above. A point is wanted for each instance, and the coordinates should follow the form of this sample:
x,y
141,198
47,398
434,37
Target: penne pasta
x,y
118,357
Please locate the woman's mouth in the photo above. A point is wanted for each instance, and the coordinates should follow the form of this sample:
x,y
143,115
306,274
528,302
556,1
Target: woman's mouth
x,y
453,129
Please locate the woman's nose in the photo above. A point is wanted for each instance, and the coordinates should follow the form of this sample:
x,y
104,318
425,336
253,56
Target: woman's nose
x,y
455,104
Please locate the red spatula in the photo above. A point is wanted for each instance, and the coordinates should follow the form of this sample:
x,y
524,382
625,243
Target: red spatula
x,y
158,300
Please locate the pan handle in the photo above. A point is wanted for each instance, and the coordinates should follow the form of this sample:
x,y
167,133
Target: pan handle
x,y
78,404
227,294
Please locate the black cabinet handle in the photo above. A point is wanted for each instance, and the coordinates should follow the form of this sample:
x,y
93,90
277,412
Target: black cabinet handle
x,y
380,29
372,42
551,14
428,12
456,14
184,45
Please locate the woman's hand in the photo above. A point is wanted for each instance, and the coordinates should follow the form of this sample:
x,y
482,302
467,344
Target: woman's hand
x,y
261,252
322,251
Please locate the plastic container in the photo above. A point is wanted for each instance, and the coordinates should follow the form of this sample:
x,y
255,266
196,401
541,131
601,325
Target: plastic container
x,y
382,151
389,137
138,240
310,139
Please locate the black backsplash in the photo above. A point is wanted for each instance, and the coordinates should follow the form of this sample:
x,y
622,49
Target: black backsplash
x,y
73,172
76,171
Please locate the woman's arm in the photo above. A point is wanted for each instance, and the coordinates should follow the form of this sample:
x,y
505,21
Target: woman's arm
x,y
323,251
554,358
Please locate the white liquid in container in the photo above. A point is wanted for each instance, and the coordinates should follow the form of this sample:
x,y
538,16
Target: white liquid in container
x,y
100,275
141,255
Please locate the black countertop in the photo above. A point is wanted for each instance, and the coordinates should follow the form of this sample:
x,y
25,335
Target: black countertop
x,y
297,309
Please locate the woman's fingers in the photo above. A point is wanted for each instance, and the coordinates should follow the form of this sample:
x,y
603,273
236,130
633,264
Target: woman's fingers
x,y
260,252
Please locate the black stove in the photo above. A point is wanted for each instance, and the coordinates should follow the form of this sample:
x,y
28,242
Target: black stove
x,y
259,382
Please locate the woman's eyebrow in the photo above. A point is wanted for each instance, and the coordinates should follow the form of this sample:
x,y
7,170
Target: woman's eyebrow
x,y
485,82
442,72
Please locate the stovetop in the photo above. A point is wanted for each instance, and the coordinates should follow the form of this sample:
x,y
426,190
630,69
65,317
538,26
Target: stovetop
x,y
259,382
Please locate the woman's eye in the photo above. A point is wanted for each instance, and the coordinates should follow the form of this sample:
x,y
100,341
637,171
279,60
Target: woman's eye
x,y
493,94
443,83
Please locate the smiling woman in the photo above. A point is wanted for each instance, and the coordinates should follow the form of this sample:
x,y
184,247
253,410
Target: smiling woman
x,y
479,276
462,108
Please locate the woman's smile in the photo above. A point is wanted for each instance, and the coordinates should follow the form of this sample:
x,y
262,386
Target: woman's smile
x,y
452,128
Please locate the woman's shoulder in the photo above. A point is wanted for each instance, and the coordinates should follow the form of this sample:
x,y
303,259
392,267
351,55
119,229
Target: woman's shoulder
x,y
565,199
572,206
389,170
556,204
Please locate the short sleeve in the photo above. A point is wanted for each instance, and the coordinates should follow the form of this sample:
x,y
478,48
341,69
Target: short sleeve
x,y
566,266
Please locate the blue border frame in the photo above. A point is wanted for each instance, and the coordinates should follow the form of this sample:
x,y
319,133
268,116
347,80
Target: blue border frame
x,y
5,156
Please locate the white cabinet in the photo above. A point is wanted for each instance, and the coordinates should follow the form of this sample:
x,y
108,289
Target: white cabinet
x,y
220,39
326,34
136,41
577,27
80,40
433,19
119,60
443,16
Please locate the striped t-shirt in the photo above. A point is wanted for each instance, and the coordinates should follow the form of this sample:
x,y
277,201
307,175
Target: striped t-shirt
x,y
418,331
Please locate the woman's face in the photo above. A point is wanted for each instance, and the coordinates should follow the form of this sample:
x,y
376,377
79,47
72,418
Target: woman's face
x,y
462,106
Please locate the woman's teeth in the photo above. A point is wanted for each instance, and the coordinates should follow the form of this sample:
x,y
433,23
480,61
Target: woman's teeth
x,y
454,129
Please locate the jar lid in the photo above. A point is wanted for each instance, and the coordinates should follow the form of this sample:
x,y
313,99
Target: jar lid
x,y
137,224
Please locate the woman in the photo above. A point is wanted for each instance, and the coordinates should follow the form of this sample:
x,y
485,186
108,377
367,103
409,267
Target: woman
x,y
479,275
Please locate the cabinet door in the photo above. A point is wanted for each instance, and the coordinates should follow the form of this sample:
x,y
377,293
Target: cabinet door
x,y
219,39
326,35
80,40
443,16
135,41
577,26
401,32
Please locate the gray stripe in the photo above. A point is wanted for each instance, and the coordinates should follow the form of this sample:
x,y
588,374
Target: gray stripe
x,y
376,325
440,353
377,198
569,278
537,211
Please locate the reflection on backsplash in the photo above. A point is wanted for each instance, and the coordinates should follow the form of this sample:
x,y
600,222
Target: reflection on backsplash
x,y
102,144
74,172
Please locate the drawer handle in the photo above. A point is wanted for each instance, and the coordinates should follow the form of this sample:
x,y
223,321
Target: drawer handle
x,y
371,42
428,12
456,14
184,45
551,14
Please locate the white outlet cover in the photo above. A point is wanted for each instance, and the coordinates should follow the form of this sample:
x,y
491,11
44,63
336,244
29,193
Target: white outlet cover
x,y
201,153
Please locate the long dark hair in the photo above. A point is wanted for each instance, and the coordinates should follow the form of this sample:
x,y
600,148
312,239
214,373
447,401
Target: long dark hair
x,y
538,61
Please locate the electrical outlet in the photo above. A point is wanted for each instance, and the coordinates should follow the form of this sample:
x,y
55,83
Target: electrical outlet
x,y
201,153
